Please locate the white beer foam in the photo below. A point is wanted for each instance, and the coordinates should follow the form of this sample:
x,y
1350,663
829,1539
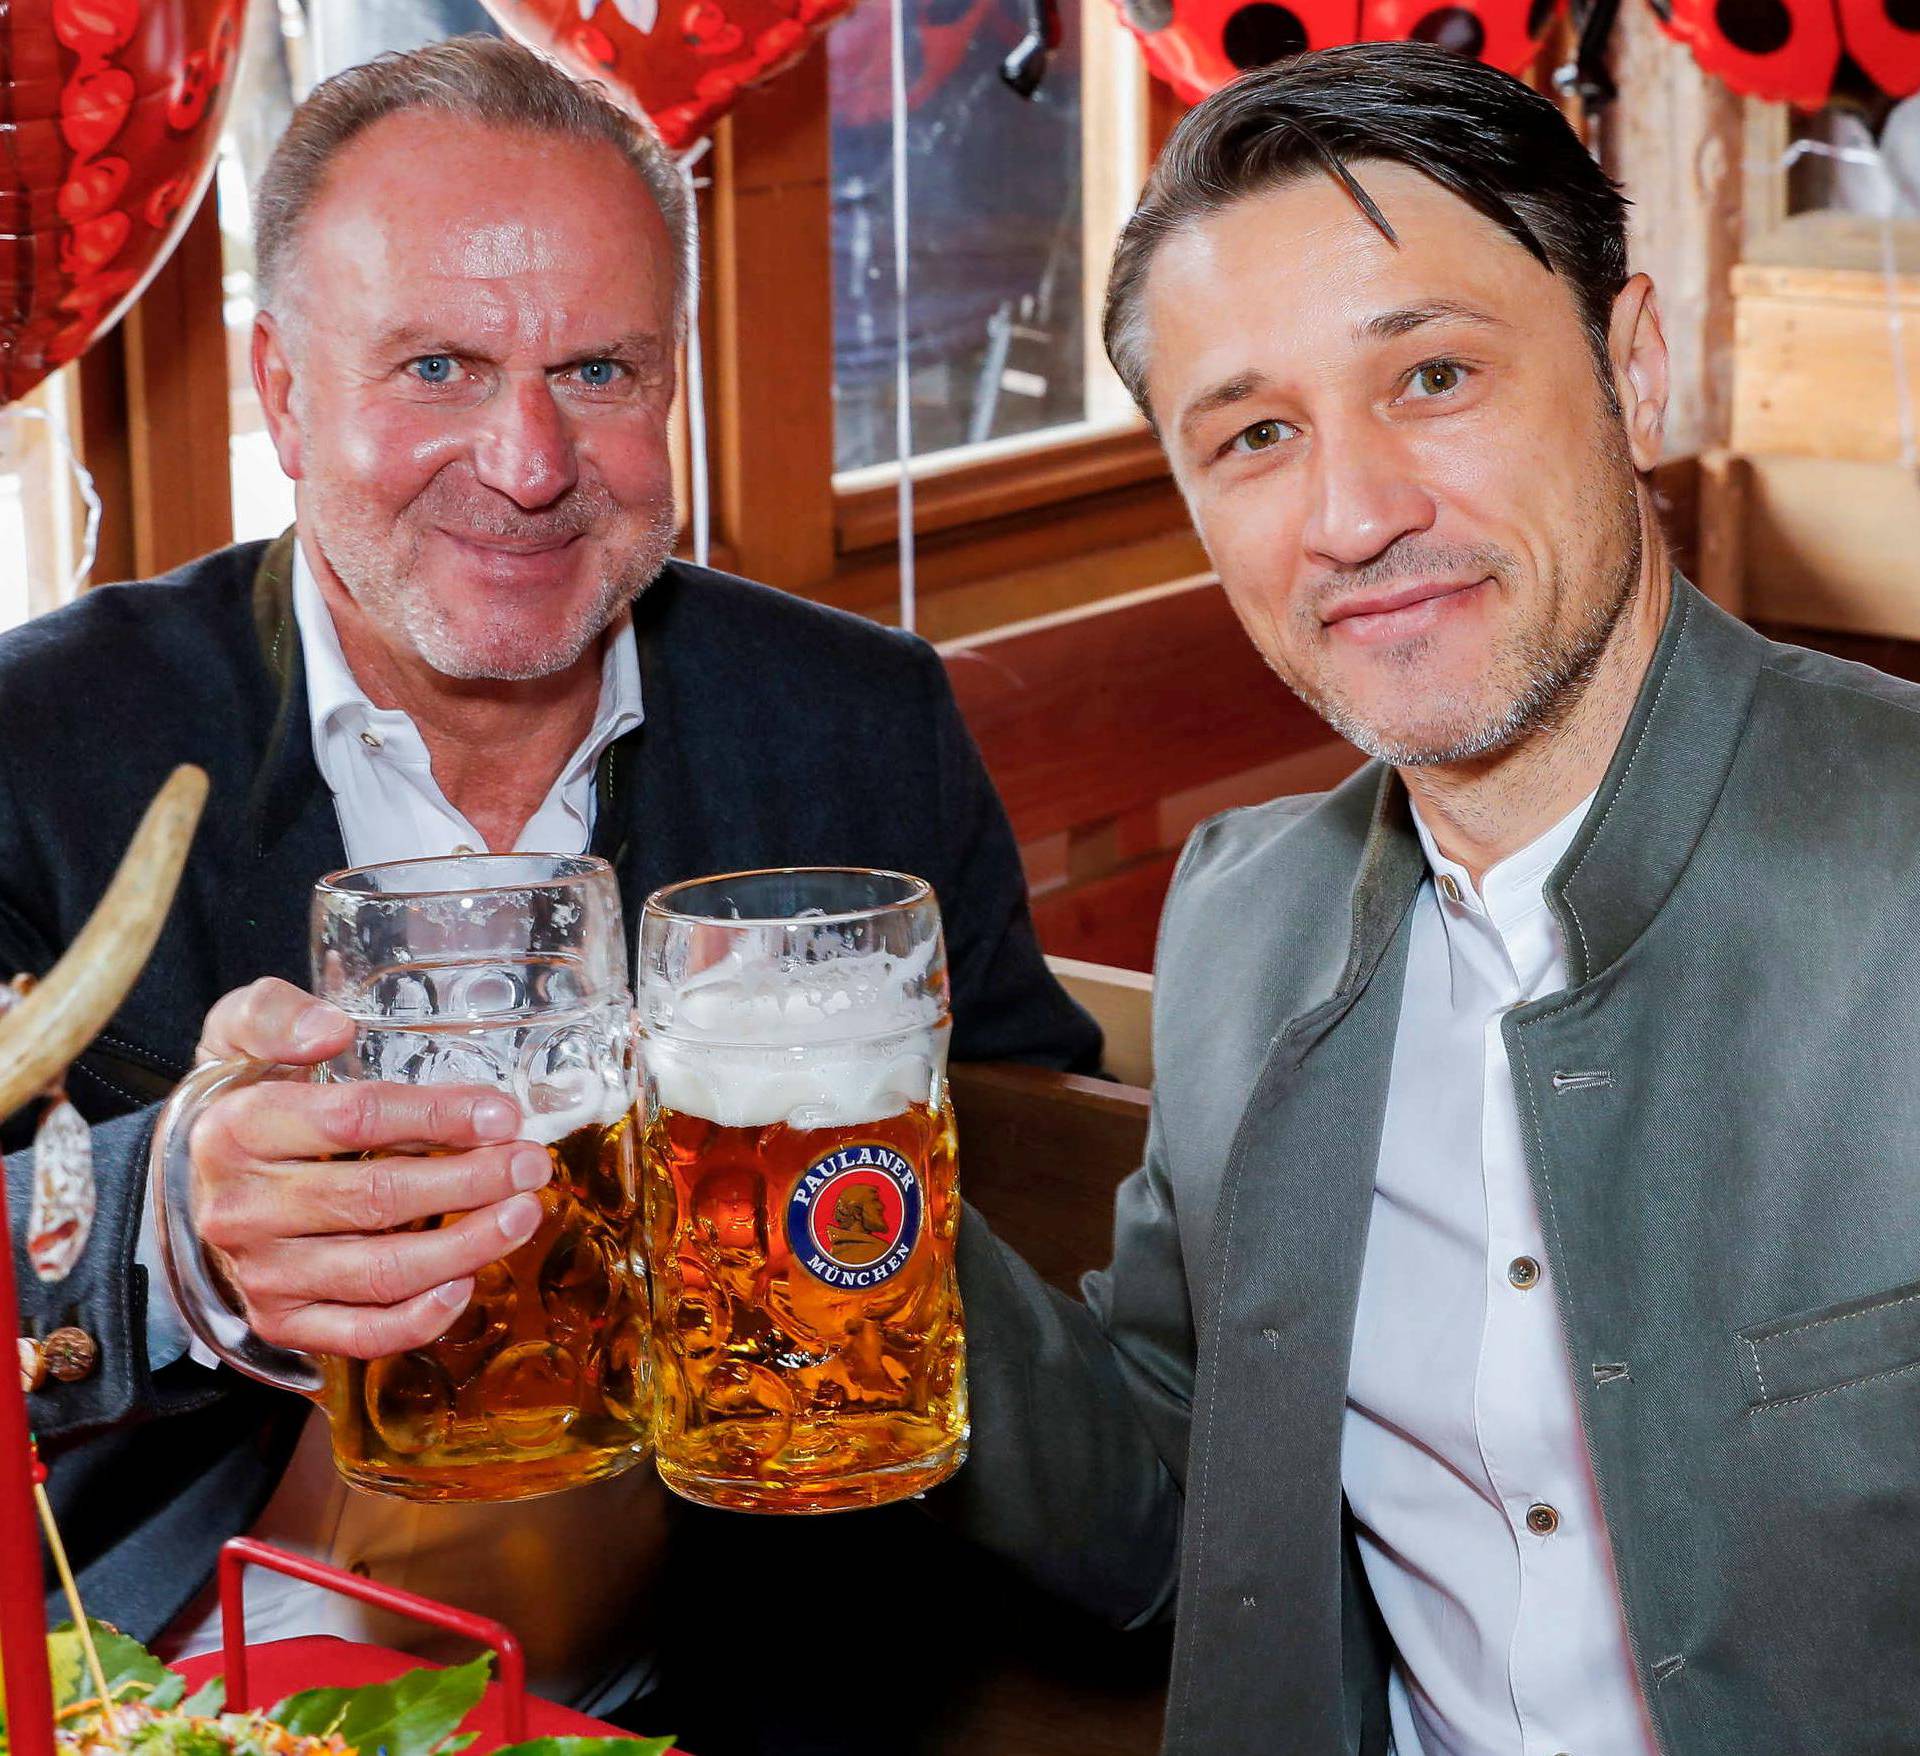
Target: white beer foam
x,y
829,1045
563,1102
831,1085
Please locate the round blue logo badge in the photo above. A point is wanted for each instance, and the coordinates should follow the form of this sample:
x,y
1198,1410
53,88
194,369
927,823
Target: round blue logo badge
x,y
854,1215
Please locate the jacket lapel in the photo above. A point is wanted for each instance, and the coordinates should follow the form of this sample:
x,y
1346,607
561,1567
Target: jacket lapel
x,y
1276,1328
292,832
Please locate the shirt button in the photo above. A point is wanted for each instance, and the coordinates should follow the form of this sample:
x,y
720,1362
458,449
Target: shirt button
x,y
1449,888
372,740
465,847
1524,1272
1542,1520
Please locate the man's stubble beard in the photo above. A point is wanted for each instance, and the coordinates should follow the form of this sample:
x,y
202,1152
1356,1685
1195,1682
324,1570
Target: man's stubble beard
x,y
1555,670
381,583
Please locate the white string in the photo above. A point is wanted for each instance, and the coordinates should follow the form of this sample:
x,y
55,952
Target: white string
x,y
902,402
698,488
1870,157
83,484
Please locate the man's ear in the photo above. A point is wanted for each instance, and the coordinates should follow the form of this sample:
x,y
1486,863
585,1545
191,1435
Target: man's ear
x,y
1637,351
273,374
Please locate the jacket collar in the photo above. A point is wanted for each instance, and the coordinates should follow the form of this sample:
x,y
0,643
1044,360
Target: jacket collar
x,y
1646,819
286,780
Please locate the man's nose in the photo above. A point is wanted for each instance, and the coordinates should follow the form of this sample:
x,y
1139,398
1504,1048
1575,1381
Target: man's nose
x,y
525,448
1365,495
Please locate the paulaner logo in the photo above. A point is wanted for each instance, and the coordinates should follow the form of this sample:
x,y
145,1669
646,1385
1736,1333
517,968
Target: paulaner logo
x,y
854,1215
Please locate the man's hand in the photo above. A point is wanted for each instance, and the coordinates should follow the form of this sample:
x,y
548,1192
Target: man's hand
x,y
306,1230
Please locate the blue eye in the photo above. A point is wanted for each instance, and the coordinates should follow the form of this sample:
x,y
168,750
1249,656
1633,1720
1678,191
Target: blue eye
x,y
433,368
598,374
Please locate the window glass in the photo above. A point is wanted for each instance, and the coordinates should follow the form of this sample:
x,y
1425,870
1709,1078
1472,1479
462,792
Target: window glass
x,y
996,247
291,45
42,506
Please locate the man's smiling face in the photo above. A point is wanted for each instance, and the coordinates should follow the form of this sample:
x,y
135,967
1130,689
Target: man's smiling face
x,y
479,352
1414,485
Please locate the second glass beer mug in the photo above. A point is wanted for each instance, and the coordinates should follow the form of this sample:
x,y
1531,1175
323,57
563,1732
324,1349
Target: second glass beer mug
x,y
798,1159
505,970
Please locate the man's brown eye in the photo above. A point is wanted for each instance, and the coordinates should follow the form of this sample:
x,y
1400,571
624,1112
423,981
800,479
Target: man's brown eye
x,y
1259,436
1438,378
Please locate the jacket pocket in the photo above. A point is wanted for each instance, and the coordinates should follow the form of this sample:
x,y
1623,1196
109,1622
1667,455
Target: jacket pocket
x,y
1839,1347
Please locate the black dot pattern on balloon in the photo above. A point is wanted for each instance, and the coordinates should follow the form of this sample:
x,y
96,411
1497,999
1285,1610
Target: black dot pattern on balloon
x,y
1538,14
1149,15
1259,34
1452,27
1904,14
1755,27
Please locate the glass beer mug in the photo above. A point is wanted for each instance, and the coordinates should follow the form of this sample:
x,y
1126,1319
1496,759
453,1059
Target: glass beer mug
x,y
798,1164
505,970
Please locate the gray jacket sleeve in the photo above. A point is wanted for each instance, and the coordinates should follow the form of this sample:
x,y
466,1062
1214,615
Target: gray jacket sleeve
x,y
109,1295
1080,1410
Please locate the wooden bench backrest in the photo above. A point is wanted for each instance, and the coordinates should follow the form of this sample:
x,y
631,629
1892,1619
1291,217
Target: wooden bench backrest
x,y
1111,731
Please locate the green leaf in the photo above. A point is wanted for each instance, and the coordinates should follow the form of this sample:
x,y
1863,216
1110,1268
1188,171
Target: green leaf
x,y
207,1700
411,1716
132,1672
588,1747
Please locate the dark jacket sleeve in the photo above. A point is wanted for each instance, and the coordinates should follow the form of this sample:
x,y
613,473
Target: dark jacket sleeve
x,y
1007,1005
107,1293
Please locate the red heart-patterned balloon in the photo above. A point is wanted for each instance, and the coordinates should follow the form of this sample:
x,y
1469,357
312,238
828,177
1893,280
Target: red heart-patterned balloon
x,y
684,63
114,110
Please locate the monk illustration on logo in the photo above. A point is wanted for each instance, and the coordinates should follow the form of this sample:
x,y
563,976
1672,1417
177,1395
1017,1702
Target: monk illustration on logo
x,y
858,1233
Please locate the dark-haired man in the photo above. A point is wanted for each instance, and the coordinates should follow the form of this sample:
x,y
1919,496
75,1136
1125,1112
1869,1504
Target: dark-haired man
x,y
1510,1345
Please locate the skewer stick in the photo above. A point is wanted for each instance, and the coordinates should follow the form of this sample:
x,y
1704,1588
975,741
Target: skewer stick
x,y
65,1570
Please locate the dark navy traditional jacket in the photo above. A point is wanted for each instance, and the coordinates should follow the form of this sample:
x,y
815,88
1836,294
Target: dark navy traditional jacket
x,y
776,733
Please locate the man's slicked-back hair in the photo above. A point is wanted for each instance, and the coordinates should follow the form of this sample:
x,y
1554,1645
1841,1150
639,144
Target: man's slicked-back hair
x,y
481,79
1494,142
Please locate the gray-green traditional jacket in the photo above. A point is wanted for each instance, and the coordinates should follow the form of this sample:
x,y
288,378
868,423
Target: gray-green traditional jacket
x,y
1721,1115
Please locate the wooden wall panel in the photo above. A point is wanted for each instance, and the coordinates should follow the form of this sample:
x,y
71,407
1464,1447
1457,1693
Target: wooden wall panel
x,y
177,421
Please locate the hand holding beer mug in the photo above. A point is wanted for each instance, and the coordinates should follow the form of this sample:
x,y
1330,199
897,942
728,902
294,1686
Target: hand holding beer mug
x,y
479,971
800,1190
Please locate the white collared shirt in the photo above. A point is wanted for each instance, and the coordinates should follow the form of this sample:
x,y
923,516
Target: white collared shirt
x,y
569,1572
376,764
1463,1458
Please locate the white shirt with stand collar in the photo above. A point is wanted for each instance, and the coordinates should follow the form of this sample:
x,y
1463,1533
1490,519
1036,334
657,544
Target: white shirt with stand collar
x,y
1462,1458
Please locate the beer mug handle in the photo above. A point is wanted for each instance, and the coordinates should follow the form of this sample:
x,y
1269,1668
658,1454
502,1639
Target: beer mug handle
x,y
202,1303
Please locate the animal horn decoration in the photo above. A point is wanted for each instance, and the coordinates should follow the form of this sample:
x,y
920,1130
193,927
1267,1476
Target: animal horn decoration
x,y
41,1035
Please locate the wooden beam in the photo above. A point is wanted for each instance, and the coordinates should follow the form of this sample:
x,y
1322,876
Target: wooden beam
x,y
104,441
177,425
772,302
1676,139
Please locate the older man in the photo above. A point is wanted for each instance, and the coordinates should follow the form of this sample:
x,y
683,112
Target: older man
x,y
474,277
1510,1344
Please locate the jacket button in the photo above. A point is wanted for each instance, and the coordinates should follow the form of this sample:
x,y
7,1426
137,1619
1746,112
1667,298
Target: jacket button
x,y
1524,1272
71,1354
1542,1520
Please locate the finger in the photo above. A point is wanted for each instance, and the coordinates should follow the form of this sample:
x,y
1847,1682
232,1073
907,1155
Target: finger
x,y
385,1270
366,1332
252,1204
279,1121
272,1020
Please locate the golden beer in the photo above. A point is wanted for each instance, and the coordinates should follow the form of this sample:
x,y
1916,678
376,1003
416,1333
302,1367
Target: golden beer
x,y
541,1383
809,1338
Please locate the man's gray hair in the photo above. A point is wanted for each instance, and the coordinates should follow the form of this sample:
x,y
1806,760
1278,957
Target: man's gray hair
x,y
479,79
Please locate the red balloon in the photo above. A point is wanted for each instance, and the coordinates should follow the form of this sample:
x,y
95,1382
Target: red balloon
x,y
1197,46
1884,37
1782,50
683,63
115,110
